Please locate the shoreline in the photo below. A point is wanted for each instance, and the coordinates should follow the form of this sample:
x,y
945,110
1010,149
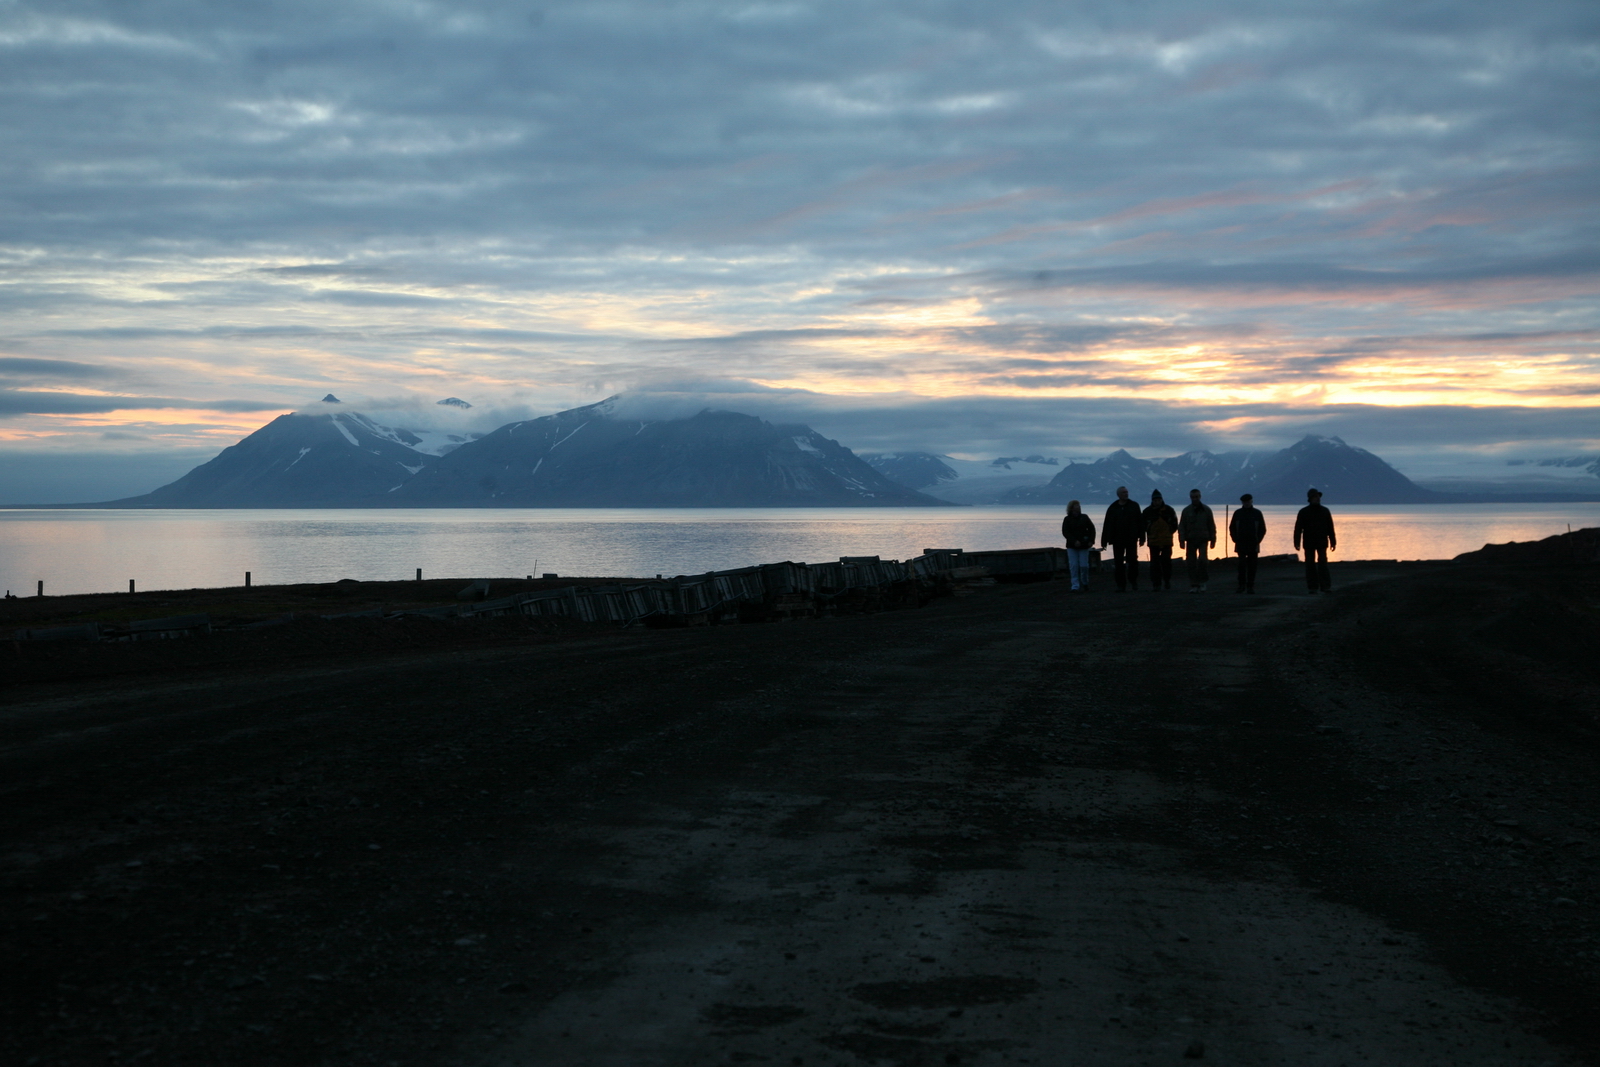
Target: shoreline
x,y
258,600
400,583
85,552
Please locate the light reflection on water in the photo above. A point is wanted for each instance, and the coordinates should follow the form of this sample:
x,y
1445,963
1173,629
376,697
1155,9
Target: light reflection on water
x,y
78,551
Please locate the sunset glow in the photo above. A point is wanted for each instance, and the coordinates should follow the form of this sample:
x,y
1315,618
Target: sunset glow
x,y
1155,231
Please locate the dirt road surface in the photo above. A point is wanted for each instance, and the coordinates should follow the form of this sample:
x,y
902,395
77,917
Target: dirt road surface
x,y
1010,827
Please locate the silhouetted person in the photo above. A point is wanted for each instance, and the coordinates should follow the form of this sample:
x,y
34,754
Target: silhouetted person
x,y
1313,527
1248,528
1077,530
1197,531
1124,532
1160,525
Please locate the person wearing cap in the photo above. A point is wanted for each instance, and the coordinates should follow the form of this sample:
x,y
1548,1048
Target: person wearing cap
x,y
1313,527
1123,530
1077,530
1160,524
1248,528
1197,531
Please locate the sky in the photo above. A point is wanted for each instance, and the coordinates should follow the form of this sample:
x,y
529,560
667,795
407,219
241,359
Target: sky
x,y
977,229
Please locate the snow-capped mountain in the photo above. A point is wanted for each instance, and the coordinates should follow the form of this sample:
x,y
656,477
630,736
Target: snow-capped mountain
x,y
300,460
1344,473
592,457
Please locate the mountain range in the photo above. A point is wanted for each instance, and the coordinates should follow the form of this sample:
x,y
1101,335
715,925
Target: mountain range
x,y
1344,473
584,457
598,456
1205,471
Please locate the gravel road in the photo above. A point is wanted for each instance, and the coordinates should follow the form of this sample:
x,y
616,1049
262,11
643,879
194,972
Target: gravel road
x,y
1012,826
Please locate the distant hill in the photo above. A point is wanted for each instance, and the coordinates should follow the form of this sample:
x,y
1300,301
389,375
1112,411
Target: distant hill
x,y
299,460
590,457
1530,490
1098,481
1577,546
1561,479
1589,464
914,470
962,481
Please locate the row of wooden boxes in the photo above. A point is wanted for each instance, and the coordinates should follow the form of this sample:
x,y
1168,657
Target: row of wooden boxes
x,y
783,589
775,590
137,630
767,591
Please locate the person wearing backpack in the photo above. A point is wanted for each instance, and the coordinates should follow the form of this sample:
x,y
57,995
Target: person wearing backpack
x,y
1160,524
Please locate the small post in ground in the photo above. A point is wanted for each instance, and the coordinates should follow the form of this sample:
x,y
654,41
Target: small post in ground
x,y
41,587
419,574
130,585
247,579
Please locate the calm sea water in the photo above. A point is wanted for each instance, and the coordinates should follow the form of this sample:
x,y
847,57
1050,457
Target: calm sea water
x,y
80,551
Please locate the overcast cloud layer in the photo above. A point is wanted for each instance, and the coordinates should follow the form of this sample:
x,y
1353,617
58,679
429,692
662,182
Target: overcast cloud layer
x,y
971,228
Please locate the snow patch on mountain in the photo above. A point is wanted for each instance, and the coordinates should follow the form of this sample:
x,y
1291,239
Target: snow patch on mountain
x,y
437,442
338,424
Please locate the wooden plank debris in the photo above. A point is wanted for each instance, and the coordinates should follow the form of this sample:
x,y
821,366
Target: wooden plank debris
x,y
767,592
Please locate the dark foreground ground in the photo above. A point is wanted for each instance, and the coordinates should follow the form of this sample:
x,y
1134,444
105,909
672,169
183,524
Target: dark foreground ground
x,y
1008,827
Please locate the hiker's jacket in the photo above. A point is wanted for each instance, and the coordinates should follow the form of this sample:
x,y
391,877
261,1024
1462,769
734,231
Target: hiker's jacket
x,y
1160,524
1078,531
1197,526
1124,524
1248,528
1314,527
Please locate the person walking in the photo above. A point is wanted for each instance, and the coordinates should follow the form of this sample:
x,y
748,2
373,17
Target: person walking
x,y
1160,524
1248,528
1197,531
1313,527
1077,529
1123,530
